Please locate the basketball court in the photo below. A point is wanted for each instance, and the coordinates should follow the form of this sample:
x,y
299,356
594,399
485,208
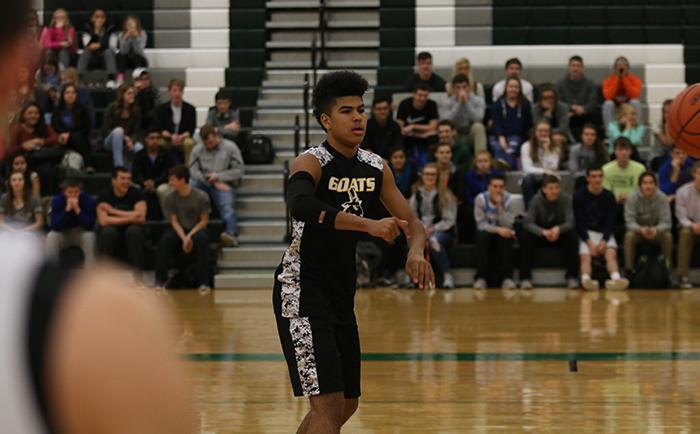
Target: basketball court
x,y
462,361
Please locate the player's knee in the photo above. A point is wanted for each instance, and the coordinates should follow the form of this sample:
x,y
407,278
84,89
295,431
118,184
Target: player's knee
x,y
329,408
350,407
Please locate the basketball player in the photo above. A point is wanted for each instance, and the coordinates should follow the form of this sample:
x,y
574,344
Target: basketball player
x,y
81,353
332,191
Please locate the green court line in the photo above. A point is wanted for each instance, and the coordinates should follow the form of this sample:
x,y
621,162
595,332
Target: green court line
x,y
461,357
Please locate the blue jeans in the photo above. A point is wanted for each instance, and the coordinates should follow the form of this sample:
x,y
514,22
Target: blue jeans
x,y
116,143
444,238
510,155
224,201
530,185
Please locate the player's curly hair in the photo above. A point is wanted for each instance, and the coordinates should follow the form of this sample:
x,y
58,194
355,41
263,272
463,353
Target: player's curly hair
x,y
336,85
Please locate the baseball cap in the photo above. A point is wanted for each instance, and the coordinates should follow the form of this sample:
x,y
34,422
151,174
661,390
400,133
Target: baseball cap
x,y
138,72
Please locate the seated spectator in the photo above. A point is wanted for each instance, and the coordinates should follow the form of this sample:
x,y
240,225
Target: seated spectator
x,y
622,173
626,126
579,93
418,118
405,174
621,87
451,175
27,92
48,77
595,215
33,29
539,156
72,218
224,118
675,172
18,163
151,167
688,214
20,210
71,121
494,213
461,154
436,208
99,41
217,168
177,121
59,39
466,111
590,151
464,67
514,69
122,121
70,76
121,213
424,75
147,96
647,220
187,210
663,140
132,47
549,222
552,110
512,120
383,133
39,143
476,181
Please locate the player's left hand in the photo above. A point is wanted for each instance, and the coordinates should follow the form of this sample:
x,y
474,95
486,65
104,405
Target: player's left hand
x,y
419,270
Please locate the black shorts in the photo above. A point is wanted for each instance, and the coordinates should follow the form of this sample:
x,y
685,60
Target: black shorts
x,y
322,357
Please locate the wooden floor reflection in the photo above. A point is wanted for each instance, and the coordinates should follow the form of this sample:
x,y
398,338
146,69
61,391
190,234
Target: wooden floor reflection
x,y
464,362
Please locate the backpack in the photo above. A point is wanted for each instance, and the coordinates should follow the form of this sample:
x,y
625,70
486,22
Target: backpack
x,y
650,271
258,150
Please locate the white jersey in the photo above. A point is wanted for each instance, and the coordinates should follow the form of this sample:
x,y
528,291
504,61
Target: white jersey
x,y
21,257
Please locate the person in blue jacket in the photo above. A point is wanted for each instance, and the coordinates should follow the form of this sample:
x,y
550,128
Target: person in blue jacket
x,y
72,217
512,120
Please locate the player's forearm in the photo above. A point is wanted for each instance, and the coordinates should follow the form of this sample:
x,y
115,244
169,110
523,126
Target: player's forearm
x,y
350,222
418,237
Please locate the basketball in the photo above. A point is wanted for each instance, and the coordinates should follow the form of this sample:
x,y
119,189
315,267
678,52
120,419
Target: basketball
x,y
683,121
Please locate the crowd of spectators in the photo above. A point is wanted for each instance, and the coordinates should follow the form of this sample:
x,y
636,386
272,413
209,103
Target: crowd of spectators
x,y
455,155
162,168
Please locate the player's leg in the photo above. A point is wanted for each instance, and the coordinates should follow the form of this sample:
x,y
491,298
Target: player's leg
x,y
325,416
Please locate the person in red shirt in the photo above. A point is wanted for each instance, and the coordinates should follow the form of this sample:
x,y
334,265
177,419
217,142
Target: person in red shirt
x,y
621,87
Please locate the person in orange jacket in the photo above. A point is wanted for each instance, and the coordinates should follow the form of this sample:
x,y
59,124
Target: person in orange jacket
x,y
621,87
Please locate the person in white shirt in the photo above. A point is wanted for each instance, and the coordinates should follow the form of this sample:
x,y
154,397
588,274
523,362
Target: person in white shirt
x,y
539,156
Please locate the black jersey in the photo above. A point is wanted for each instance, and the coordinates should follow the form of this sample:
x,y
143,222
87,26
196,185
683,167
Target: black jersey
x,y
317,275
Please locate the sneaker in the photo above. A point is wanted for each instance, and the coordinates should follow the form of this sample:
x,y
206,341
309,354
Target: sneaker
x,y
501,164
617,285
204,290
228,240
685,283
406,282
508,284
111,84
447,281
589,284
480,284
572,283
526,284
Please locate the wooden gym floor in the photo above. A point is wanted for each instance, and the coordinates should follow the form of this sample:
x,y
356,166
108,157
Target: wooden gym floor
x,y
464,362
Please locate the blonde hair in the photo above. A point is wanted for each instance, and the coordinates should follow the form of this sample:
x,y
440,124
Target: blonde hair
x,y
482,152
470,76
624,110
53,18
444,194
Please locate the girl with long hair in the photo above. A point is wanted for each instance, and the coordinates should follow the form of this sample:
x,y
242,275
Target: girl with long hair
x,y
18,163
59,40
404,171
71,121
20,210
122,122
132,46
539,156
591,150
626,125
39,143
436,208
512,120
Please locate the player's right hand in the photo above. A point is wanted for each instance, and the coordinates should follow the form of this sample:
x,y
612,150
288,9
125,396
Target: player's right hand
x,y
388,228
